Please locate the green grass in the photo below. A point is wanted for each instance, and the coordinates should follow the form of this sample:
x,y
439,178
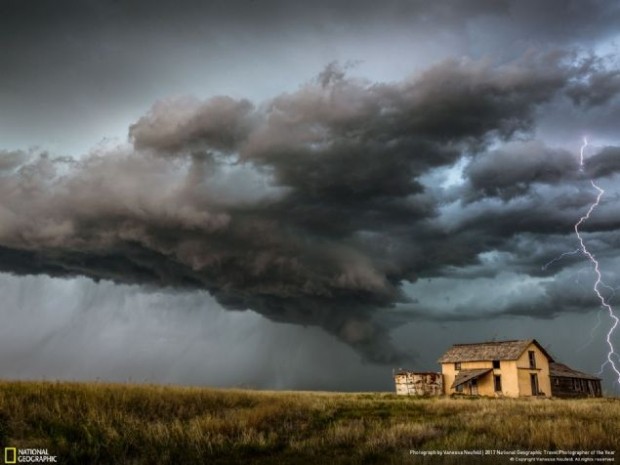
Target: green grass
x,y
125,424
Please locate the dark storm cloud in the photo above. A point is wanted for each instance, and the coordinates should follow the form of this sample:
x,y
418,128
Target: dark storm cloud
x,y
514,169
604,163
554,18
60,44
308,208
509,171
532,225
525,199
220,124
600,87
552,22
63,59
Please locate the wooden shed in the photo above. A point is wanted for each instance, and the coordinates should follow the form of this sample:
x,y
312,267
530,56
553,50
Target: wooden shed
x,y
566,382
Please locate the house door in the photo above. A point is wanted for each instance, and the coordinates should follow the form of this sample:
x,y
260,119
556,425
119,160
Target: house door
x,y
474,387
534,383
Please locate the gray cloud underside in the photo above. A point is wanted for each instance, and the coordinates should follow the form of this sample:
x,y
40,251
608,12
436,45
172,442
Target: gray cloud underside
x,y
311,208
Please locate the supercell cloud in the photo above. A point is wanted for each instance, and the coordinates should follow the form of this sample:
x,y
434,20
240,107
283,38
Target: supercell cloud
x,y
308,208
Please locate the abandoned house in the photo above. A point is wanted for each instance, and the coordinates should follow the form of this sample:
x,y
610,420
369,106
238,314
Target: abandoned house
x,y
418,384
566,382
519,368
502,368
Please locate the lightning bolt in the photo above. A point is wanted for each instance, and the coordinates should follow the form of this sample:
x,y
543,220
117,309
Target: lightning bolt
x,y
557,259
598,324
599,277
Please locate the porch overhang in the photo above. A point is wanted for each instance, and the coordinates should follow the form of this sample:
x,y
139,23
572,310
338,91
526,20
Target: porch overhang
x,y
468,375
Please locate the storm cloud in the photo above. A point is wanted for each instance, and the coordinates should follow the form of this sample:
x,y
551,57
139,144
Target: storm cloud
x,y
308,208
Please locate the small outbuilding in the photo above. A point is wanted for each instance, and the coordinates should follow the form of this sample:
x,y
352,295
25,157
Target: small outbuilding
x,y
411,383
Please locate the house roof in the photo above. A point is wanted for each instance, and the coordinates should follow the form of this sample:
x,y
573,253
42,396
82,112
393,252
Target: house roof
x,y
467,375
493,350
559,370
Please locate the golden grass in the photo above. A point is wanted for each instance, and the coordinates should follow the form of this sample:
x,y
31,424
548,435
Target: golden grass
x,y
108,424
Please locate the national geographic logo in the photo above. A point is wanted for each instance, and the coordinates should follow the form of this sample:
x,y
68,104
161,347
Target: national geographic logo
x,y
10,455
15,455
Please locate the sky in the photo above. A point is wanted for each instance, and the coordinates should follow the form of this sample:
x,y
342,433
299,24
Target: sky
x,y
294,195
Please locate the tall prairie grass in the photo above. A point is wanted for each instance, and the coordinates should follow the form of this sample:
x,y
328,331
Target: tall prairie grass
x,y
96,423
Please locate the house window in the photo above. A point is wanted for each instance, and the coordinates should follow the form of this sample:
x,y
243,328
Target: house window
x,y
457,366
532,356
576,385
496,364
459,388
498,383
556,381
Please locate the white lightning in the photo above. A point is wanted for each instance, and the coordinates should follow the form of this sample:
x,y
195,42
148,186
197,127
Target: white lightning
x,y
557,259
594,261
592,334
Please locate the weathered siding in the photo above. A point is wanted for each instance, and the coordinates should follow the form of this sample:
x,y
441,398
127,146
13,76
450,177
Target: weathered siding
x,y
575,387
567,382
418,384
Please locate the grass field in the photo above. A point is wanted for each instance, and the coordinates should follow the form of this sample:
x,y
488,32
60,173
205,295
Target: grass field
x,y
125,424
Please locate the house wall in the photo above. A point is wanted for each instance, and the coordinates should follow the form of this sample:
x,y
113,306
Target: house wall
x,y
542,369
411,383
510,379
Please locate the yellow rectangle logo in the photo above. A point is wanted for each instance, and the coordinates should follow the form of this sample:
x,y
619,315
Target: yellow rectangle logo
x,y
10,455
